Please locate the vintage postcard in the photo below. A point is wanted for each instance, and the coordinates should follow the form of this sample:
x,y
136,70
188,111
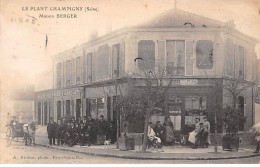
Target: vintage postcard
x,y
129,81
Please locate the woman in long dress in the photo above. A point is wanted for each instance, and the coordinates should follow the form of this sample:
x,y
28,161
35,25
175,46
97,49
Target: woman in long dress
x,y
192,136
169,131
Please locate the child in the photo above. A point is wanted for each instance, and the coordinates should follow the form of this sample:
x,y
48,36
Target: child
x,y
51,129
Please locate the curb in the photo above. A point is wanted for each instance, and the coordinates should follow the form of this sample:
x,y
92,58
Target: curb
x,y
151,158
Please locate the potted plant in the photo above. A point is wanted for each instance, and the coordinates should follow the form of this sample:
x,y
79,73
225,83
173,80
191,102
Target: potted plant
x,y
231,119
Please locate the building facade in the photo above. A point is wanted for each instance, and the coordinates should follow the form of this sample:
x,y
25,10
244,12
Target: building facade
x,y
193,49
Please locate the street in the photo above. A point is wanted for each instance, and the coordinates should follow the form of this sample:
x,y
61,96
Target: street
x,y
18,153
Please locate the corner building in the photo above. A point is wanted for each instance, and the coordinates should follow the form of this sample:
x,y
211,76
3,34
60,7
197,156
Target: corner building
x,y
195,51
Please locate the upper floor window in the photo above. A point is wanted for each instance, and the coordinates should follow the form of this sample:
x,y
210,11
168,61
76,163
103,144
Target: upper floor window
x,y
58,75
241,62
103,65
115,60
175,57
229,57
90,68
204,54
78,70
68,72
146,53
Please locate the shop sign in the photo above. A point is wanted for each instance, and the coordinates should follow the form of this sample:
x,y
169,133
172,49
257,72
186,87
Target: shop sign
x,y
189,82
174,112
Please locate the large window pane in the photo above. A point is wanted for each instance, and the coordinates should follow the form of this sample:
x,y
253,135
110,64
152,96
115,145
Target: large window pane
x,y
204,54
89,67
189,58
161,53
78,70
230,57
115,60
68,70
175,57
241,62
146,51
102,70
58,75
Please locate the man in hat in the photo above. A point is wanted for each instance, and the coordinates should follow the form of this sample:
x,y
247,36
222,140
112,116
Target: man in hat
x,y
159,131
51,130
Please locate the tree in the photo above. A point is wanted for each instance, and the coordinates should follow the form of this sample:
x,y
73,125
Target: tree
x,y
152,86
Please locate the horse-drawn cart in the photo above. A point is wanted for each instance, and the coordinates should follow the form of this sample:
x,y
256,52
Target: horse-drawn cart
x,y
14,132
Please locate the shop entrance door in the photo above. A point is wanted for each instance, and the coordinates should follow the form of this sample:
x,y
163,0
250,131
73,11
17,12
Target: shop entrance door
x,y
39,113
58,109
68,108
45,113
175,112
78,105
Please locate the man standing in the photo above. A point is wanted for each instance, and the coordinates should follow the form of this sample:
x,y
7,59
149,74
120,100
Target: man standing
x,y
159,131
59,132
51,130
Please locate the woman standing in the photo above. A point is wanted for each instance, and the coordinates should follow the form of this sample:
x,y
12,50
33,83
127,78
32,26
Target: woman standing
x,y
169,131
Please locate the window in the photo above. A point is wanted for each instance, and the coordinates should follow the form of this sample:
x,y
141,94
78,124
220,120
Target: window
x,y
85,75
175,57
89,67
73,72
115,60
78,70
161,53
103,65
58,75
241,105
68,70
146,53
230,57
241,62
195,105
204,54
189,58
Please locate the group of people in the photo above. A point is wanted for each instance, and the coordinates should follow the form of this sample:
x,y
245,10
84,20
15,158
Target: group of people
x,y
200,136
164,134
160,134
83,131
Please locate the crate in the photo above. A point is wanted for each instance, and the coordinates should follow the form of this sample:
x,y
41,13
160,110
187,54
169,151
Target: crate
x,y
101,139
126,143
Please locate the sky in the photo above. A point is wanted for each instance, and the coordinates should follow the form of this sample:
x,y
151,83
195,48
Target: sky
x,y
23,54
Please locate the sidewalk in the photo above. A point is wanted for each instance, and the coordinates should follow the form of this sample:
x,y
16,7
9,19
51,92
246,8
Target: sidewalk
x,y
170,153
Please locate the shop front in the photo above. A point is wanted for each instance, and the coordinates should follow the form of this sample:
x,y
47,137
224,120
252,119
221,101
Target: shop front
x,y
183,105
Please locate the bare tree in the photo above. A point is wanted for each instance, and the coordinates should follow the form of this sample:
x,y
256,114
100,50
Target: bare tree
x,y
152,86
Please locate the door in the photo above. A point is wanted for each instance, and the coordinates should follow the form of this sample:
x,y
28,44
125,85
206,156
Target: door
x,y
78,106
39,114
68,108
45,113
58,109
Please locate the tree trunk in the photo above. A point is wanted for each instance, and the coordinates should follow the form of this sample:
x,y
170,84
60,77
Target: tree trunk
x,y
146,123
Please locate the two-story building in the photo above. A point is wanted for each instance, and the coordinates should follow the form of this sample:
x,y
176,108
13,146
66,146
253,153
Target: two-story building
x,y
194,49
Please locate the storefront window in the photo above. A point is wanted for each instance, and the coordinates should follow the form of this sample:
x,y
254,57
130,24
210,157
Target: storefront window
x,y
195,107
100,107
93,108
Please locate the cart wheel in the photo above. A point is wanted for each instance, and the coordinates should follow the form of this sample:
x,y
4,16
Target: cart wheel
x,y
9,136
